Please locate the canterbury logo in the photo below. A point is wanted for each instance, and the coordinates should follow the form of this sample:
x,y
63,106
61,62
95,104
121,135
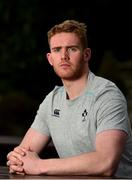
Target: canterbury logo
x,y
56,112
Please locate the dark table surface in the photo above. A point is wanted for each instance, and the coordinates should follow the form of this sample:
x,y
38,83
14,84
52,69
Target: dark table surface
x,y
4,174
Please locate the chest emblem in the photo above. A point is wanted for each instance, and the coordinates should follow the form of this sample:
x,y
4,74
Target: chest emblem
x,y
84,115
56,112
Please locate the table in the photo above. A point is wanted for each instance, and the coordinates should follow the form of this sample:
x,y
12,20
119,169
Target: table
x,y
4,174
7,144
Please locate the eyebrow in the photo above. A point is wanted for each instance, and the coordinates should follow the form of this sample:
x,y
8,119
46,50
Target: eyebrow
x,y
59,47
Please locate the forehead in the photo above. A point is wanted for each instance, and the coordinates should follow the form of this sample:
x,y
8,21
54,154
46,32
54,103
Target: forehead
x,y
64,39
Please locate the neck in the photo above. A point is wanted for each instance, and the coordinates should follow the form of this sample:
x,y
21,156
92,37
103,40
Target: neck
x,y
76,87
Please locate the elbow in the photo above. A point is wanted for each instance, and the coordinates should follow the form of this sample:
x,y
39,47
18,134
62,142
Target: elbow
x,y
109,169
109,173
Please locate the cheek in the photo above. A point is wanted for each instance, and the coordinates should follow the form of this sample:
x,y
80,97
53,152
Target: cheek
x,y
53,60
56,59
79,60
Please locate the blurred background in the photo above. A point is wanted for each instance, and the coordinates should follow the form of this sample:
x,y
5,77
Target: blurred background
x,y
25,75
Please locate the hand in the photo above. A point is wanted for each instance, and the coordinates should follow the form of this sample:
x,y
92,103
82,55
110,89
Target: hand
x,y
31,163
14,160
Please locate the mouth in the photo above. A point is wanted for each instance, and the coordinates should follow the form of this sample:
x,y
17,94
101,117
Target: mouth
x,y
65,65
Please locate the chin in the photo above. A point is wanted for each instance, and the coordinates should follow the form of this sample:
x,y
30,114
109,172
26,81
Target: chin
x,y
64,76
68,76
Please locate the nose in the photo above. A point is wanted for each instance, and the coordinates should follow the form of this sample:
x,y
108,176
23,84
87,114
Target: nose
x,y
64,55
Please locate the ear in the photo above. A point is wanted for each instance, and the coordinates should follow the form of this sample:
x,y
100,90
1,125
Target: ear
x,y
87,54
49,57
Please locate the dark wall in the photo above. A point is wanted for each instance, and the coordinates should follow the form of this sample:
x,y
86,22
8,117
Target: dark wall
x,y
25,75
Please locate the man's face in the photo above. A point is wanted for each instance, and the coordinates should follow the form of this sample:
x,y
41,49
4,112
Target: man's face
x,y
67,56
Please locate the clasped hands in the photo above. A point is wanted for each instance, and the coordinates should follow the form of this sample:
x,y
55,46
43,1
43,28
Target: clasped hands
x,y
22,161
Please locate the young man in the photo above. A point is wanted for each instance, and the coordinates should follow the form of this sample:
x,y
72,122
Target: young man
x,y
86,118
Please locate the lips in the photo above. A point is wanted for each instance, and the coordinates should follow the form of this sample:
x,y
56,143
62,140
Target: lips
x,y
64,65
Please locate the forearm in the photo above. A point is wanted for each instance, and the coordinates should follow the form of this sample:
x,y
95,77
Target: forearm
x,y
85,164
34,141
103,161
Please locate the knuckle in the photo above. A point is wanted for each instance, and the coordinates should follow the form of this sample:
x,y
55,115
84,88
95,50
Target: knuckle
x,y
16,148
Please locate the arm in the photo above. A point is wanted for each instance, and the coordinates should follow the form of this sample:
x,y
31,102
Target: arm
x,y
33,141
104,161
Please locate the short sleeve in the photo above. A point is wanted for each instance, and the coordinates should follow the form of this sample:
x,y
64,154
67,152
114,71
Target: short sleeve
x,y
112,112
40,121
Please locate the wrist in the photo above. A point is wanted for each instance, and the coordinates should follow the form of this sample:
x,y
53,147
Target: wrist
x,y
47,166
42,166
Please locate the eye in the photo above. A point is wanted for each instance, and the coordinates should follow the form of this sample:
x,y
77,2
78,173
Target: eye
x,y
72,49
56,49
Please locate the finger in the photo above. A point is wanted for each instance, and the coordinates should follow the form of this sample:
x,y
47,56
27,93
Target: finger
x,y
20,173
16,169
9,154
8,163
14,162
20,150
14,155
11,170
